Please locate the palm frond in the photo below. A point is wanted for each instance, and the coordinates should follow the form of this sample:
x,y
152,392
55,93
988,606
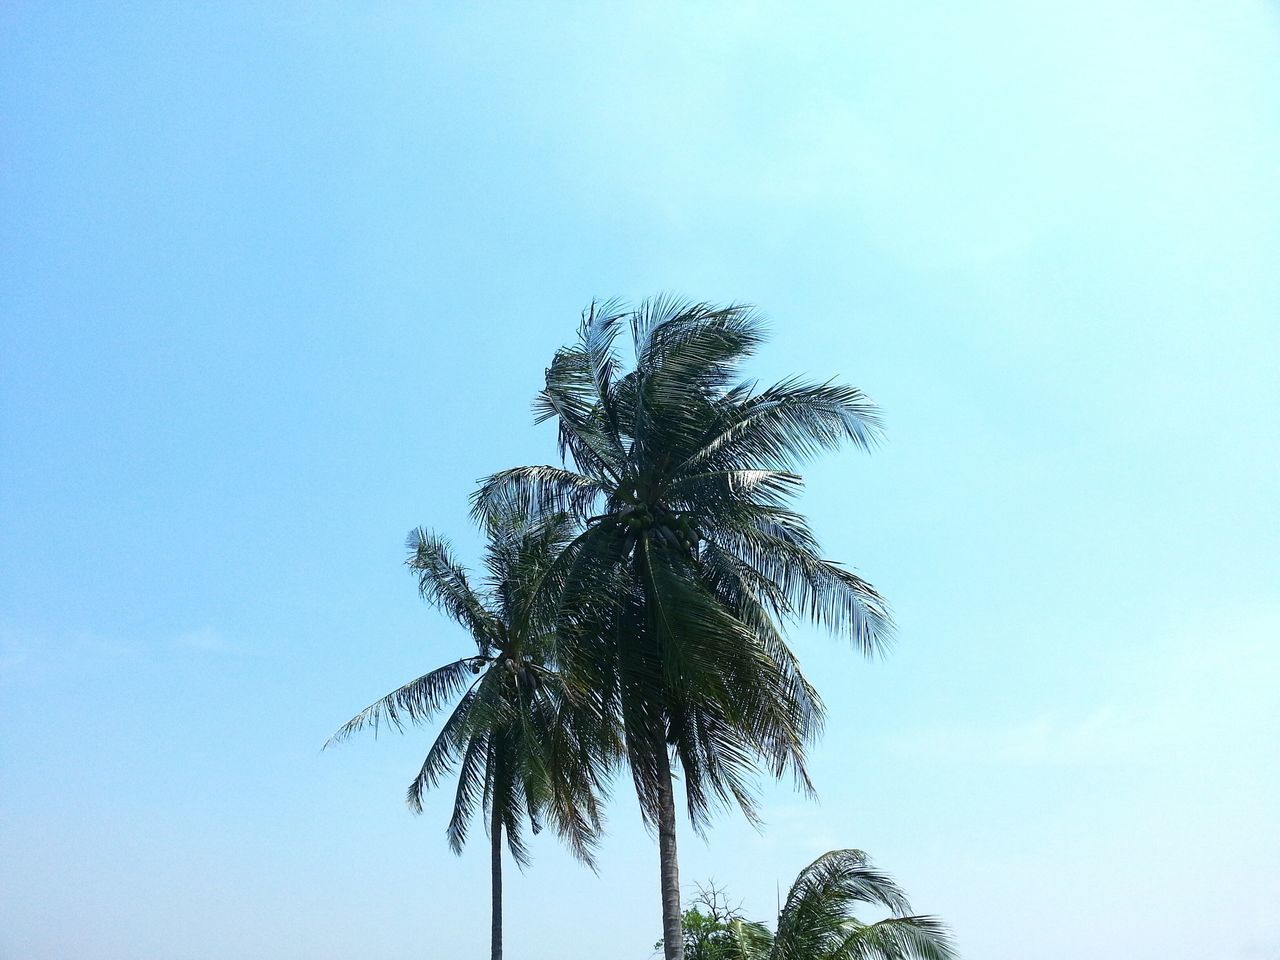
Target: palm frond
x,y
728,486
897,938
788,423
748,941
727,700
572,396
840,878
778,544
449,745
443,583
475,781
415,702
536,491
578,749
696,343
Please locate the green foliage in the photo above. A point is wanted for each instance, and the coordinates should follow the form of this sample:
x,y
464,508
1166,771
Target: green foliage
x,y
704,938
670,599
632,613
711,927
817,921
523,745
669,603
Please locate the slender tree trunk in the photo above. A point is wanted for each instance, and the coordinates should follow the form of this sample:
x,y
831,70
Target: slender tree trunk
x,y
495,838
672,926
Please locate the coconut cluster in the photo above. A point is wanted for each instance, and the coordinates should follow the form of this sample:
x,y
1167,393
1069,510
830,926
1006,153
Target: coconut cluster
x,y
667,526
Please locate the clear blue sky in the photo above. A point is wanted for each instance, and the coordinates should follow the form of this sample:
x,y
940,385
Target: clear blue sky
x,y
278,282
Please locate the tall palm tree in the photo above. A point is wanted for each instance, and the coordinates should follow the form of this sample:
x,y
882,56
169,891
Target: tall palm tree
x,y
691,553
817,920
526,747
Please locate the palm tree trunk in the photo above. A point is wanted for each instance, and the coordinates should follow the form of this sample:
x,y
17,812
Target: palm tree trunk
x,y
668,864
495,838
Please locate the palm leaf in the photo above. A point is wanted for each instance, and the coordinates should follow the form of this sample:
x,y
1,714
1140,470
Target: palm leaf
x,y
443,583
449,744
787,423
475,780
535,491
897,938
415,702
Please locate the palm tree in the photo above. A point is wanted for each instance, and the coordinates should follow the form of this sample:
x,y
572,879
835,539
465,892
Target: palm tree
x,y
817,922
526,747
691,553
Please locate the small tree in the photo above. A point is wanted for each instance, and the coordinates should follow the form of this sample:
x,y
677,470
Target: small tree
x,y
709,925
817,921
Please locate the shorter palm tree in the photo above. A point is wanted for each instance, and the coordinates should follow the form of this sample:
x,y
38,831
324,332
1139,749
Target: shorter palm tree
x,y
817,920
526,748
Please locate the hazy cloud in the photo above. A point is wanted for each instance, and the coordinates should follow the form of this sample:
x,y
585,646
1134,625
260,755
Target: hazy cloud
x,y
1216,687
207,639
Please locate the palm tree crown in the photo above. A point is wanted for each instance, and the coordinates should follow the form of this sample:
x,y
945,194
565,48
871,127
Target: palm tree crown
x,y
670,598
525,748
817,920
686,480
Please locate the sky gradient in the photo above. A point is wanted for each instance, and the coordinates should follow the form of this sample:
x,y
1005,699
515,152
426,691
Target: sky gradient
x,y
278,283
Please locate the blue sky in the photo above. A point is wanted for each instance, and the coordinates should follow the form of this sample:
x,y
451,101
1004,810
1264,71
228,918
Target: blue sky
x,y
278,283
